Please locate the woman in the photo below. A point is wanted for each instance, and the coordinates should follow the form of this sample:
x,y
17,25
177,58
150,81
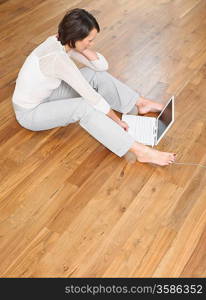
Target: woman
x,y
51,91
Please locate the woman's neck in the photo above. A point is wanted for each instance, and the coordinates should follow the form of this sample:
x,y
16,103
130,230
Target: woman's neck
x,y
67,48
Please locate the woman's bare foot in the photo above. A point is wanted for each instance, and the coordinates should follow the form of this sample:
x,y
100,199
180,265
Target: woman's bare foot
x,y
145,105
146,154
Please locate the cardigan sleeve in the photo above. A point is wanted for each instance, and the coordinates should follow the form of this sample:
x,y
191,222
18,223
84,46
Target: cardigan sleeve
x,y
65,69
99,64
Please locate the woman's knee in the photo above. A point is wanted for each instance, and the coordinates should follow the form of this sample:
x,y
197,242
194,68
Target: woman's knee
x,y
88,73
103,78
84,112
24,125
97,79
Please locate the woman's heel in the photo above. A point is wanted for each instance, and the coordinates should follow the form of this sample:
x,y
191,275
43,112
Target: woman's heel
x,y
130,157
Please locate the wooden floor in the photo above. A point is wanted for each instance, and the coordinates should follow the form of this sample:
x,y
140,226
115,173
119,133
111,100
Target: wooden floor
x,y
71,208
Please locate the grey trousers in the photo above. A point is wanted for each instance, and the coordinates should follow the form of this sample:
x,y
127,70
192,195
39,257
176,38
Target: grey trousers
x,y
65,106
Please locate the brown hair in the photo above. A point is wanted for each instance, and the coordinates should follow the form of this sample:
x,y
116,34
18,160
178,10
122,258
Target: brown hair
x,y
76,25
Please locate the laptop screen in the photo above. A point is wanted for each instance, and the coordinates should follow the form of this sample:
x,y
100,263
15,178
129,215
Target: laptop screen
x,y
165,119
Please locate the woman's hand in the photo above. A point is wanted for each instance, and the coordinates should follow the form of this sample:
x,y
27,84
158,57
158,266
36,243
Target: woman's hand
x,y
89,54
124,125
114,117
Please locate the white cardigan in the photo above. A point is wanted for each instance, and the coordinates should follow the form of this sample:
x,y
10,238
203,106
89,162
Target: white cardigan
x,y
44,69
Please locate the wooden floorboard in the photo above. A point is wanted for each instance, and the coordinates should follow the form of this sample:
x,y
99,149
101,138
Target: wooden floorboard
x,y
71,208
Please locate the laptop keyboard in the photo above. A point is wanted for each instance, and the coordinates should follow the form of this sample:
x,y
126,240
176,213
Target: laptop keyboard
x,y
144,129
141,128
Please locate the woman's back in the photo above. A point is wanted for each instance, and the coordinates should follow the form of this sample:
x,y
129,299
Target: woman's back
x,y
33,84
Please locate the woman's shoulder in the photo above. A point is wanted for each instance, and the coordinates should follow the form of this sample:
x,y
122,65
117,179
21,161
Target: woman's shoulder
x,y
50,46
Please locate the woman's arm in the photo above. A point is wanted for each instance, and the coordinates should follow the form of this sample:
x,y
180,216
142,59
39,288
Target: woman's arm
x,y
66,70
114,117
91,59
89,54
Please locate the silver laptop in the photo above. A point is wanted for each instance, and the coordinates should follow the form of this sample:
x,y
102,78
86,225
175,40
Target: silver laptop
x,y
150,130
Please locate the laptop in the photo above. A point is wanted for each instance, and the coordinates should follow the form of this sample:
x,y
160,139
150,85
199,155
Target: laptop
x,y
150,130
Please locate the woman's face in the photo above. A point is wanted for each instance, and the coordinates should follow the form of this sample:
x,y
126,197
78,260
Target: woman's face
x,y
87,42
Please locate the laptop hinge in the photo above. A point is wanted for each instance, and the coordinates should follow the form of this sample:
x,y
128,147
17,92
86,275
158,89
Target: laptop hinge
x,y
155,130
155,133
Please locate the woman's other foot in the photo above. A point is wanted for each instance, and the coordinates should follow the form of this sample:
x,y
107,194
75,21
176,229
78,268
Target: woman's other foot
x,y
145,105
146,154
130,157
